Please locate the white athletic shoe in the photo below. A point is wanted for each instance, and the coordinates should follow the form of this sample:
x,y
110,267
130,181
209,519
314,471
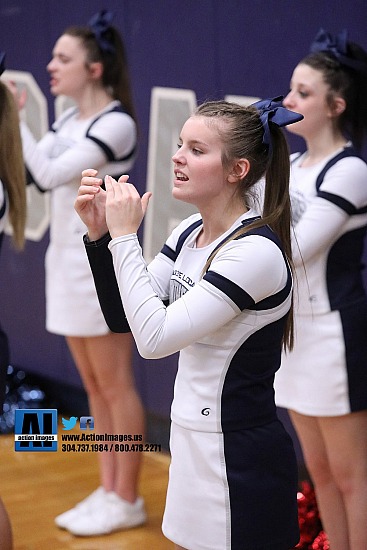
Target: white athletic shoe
x,y
95,499
115,514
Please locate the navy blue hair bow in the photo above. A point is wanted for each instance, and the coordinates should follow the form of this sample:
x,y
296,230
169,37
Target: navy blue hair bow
x,y
337,47
2,62
272,110
100,24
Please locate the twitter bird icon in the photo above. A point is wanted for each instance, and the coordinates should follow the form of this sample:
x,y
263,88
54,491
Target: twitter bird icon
x,y
69,424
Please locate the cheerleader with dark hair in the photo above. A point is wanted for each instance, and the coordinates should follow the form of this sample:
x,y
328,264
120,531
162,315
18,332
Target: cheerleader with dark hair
x,y
89,66
323,380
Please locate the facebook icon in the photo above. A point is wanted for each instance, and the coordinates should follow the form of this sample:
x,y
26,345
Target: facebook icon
x,y
86,422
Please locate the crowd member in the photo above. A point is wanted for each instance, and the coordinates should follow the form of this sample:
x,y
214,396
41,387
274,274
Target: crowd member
x,y
89,66
13,211
226,274
323,381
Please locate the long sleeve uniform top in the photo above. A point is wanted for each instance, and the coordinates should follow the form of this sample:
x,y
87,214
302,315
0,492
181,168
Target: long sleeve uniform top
x,y
330,224
227,324
105,141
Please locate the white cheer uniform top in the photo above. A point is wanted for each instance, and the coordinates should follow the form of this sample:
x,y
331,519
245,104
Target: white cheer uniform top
x,y
325,374
105,142
228,323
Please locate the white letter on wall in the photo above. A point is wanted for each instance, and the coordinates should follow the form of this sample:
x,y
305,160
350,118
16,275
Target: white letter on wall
x,y
169,109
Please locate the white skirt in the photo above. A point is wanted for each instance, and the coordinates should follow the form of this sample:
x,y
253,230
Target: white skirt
x,y
325,374
72,306
197,479
232,491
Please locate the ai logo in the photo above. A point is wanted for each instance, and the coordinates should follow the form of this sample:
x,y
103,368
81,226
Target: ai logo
x,y
35,430
86,422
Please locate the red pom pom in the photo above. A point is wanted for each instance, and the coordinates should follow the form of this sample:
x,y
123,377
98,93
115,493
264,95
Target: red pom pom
x,y
308,517
321,542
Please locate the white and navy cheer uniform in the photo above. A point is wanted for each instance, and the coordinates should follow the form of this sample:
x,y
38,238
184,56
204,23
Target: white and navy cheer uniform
x,y
326,374
107,142
233,474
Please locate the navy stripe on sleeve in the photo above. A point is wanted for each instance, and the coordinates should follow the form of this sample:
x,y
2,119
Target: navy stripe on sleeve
x,y
240,297
345,205
276,299
107,150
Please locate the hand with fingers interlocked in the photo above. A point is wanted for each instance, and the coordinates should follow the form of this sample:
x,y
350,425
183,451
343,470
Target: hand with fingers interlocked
x,y
125,208
119,209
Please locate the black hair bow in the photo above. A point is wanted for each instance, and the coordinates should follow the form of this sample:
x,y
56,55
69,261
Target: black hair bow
x,y
336,46
272,110
100,24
